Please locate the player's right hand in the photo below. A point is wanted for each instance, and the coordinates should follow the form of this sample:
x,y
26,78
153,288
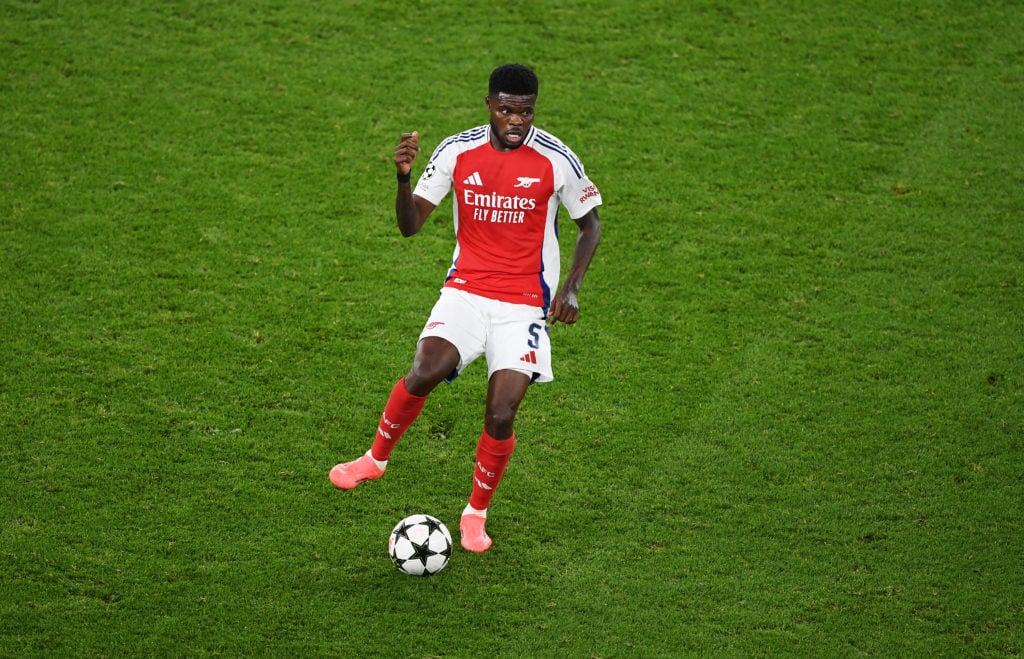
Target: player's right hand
x,y
405,152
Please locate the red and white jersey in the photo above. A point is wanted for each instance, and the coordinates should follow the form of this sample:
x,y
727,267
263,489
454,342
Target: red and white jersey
x,y
506,211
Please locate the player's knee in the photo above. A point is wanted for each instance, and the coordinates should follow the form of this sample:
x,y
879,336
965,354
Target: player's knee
x,y
420,383
435,360
500,421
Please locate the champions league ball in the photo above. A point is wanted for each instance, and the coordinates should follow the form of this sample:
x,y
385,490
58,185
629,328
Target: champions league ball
x,y
420,545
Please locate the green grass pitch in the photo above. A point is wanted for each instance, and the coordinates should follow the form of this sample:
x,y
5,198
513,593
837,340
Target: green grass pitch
x,y
790,421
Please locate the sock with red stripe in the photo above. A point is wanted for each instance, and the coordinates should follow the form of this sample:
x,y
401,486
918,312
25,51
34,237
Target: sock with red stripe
x,y
400,411
492,457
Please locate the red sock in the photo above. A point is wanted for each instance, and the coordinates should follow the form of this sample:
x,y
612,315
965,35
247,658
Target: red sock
x,y
401,410
491,459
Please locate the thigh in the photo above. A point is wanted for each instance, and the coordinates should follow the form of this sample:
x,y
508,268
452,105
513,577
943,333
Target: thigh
x,y
458,322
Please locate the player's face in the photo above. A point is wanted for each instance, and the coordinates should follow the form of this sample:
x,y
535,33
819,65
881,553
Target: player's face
x,y
511,119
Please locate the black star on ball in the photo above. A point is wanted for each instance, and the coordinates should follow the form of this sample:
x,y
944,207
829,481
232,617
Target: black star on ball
x,y
432,525
422,552
402,531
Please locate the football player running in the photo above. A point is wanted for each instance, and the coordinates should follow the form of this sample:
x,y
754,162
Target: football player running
x,y
502,291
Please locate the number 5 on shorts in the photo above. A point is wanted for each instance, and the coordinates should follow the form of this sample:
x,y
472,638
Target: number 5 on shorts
x,y
534,341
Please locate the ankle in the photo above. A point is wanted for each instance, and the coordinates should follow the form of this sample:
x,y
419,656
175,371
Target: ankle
x,y
381,464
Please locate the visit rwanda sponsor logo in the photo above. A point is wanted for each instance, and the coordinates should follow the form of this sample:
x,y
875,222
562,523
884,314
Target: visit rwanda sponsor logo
x,y
589,192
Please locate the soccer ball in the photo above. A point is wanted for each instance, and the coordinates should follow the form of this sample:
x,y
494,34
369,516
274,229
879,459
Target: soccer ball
x,y
420,545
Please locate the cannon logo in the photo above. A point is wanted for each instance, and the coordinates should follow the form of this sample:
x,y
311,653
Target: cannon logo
x,y
526,181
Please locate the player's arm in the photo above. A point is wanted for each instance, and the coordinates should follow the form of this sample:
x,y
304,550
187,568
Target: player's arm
x,y
565,307
411,211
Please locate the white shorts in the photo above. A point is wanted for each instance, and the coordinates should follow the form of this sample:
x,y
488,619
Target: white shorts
x,y
511,336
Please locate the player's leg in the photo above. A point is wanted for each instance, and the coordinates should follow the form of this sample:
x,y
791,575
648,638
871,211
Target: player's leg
x,y
506,390
451,339
435,359
518,353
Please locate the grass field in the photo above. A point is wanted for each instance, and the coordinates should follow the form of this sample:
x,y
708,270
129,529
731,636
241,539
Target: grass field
x,y
789,422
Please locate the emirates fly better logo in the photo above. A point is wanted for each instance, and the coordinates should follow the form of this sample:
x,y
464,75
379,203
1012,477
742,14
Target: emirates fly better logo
x,y
498,208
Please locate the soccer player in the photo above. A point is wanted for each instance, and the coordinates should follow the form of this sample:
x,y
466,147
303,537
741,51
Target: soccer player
x,y
499,296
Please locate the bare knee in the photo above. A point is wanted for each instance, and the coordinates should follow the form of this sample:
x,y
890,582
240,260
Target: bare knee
x,y
504,394
420,382
499,421
435,360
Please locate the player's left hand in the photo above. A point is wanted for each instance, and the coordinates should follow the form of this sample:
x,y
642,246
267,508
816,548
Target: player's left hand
x,y
564,308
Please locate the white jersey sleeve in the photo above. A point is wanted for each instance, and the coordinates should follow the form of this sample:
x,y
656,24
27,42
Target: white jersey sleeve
x,y
435,181
437,178
575,190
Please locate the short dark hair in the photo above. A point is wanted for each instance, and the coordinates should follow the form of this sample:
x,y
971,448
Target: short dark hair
x,y
516,79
